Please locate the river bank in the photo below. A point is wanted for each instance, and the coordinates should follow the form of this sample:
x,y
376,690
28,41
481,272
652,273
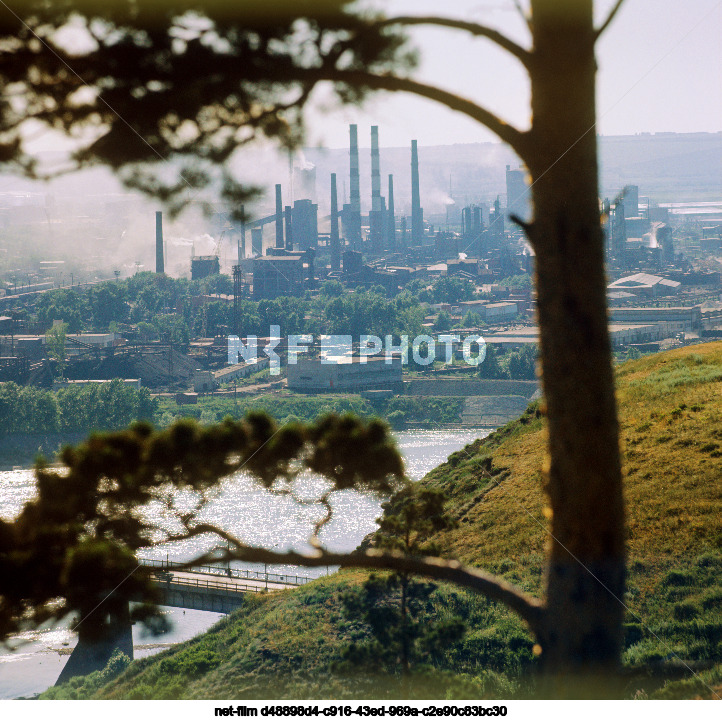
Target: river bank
x,y
22,449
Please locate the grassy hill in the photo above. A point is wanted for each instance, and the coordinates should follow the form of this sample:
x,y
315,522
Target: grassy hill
x,y
291,644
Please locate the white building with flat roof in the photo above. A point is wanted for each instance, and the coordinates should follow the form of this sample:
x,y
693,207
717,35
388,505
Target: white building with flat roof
x,y
490,312
345,375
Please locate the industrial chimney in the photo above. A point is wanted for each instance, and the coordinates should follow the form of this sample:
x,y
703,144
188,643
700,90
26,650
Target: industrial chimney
x,y
375,169
334,240
390,218
376,216
242,244
159,265
279,218
289,227
417,213
355,189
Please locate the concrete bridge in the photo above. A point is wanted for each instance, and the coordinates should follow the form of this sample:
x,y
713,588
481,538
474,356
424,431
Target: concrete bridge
x,y
203,588
213,588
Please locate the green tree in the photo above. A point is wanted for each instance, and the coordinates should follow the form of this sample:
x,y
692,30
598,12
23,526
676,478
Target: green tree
x,y
147,331
172,329
108,304
331,289
517,282
151,294
249,320
443,321
219,283
449,289
67,305
396,607
491,367
286,312
213,317
147,83
55,343
472,320
521,364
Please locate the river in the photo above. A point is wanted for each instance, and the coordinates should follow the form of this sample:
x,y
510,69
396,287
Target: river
x,y
241,508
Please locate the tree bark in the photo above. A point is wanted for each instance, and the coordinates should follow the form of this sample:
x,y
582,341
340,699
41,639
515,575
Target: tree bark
x,y
582,631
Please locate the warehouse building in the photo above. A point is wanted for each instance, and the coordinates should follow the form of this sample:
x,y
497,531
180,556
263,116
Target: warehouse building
x,y
345,375
490,312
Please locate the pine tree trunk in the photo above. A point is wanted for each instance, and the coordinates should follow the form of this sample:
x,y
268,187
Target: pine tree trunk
x,y
585,581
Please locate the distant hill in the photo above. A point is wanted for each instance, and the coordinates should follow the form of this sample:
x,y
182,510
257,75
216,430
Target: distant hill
x,y
666,166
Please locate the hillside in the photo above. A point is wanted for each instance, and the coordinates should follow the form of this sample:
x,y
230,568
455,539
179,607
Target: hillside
x,y
290,644
656,162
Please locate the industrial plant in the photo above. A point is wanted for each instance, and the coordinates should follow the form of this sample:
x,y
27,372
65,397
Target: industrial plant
x,y
458,254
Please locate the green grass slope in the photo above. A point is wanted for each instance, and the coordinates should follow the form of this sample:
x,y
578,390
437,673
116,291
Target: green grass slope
x,y
290,644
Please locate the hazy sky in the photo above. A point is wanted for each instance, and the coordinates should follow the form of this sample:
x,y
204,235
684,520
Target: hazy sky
x,y
660,70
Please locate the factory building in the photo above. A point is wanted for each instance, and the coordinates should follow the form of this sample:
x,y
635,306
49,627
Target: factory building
x,y
133,383
517,195
304,223
621,334
275,275
334,240
240,370
352,264
631,201
645,285
204,265
685,318
343,375
490,312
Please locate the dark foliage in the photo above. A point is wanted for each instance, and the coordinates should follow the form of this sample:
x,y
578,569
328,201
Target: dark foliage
x,y
77,540
135,74
396,608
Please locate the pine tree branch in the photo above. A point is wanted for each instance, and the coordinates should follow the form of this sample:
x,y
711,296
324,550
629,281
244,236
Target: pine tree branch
x,y
609,19
526,227
481,31
517,139
527,607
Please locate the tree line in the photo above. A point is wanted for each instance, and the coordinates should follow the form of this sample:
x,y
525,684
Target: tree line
x,y
92,406
164,308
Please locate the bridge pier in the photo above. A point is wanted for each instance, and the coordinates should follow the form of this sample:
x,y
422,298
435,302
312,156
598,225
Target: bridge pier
x,y
94,648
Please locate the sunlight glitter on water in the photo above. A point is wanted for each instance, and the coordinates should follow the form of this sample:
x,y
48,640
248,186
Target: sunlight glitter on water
x,y
16,489
240,506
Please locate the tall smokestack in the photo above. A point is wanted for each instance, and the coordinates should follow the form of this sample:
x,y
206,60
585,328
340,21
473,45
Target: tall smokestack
x,y
417,216
242,246
355,188
375,169
335,245
289,229
279,218
376,216
159,265
391,220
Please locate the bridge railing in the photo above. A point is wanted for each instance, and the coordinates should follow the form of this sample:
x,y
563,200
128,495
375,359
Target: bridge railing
x,y
214,585
286,579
